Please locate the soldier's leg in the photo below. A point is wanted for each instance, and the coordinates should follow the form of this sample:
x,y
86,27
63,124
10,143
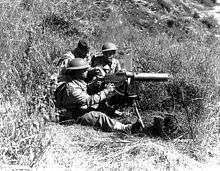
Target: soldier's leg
x,y
102,121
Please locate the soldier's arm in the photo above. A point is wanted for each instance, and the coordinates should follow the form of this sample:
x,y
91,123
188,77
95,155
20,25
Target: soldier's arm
x,y
79,98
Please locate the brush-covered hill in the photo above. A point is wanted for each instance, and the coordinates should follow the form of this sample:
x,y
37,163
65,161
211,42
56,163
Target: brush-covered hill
x,y
173,36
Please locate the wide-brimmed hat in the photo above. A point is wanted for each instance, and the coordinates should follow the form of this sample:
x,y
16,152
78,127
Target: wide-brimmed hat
x,y
77,64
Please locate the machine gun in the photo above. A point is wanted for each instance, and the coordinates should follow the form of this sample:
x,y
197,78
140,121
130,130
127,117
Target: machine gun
x,y
122,80
125,78
136,76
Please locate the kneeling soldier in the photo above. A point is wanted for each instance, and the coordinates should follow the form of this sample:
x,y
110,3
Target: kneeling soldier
x,y
79,105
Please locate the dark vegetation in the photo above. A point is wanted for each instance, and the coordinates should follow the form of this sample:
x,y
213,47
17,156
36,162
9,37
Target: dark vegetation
x,y
159,36
207,2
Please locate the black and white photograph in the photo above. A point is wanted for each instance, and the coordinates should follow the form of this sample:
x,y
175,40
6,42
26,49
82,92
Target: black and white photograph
x,y
109,85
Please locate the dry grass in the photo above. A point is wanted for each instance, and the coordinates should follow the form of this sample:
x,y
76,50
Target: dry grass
x,y
94,150
33,34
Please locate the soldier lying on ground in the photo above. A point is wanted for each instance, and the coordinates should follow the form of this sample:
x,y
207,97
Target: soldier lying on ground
x,y
80,106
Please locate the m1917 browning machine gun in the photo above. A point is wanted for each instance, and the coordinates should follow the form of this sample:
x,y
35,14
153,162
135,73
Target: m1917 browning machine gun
x,y
136,76
123,80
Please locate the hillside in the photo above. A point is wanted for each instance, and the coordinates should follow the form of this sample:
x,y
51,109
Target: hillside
x,y
174,36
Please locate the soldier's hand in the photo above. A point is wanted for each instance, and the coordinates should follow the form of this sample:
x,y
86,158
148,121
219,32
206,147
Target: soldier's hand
x,y
110,87
100,73
95,73
110,90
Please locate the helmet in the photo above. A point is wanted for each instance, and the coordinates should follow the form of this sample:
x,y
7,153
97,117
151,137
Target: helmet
x,y
108,46
77,64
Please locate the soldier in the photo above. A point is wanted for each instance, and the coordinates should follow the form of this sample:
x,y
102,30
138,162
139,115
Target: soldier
x,y
106,64
107,61
81,51
79,105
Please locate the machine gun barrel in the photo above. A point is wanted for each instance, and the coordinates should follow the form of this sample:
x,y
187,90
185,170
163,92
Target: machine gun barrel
x,y
148,76
135,76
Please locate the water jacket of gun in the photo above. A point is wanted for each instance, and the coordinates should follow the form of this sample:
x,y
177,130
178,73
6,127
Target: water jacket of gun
x,y
136,76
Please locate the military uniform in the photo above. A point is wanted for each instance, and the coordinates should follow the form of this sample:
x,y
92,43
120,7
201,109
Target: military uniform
x,y
110,68
106,64
79,105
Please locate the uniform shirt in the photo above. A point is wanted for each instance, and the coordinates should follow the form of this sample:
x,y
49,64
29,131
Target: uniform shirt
x,y
73,96
110,68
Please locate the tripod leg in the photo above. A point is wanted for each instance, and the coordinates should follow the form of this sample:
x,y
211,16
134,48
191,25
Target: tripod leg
x,y
138,113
